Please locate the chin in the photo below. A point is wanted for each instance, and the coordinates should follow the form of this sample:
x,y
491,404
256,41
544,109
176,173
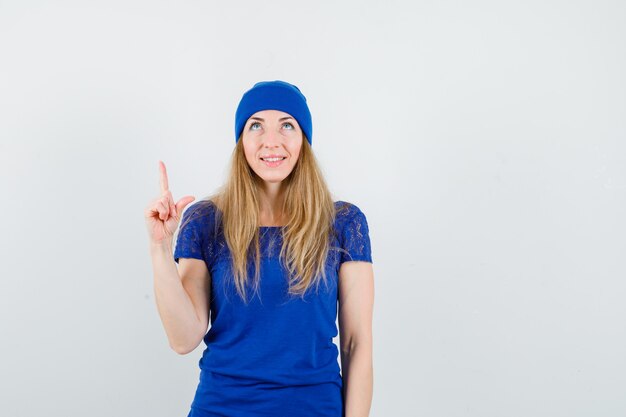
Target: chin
x,y
272,177
273,180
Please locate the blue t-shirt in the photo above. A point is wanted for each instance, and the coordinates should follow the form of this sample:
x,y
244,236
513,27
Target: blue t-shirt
x,y
274,356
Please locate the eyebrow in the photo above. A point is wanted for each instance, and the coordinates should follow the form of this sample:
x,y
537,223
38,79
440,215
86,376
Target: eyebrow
x,y
282,118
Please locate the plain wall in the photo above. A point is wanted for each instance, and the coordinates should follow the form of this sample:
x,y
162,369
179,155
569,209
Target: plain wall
x,y
484,141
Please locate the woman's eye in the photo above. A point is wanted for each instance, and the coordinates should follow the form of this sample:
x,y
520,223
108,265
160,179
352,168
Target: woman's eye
x,y
284,124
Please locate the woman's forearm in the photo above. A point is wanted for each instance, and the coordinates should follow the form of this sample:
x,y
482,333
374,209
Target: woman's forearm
x,y
358,380
173,303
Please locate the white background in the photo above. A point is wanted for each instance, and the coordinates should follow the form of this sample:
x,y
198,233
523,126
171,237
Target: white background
x,y
484,141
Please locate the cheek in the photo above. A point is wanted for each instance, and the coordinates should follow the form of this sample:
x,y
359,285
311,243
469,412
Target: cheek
x,y
248,152
296,151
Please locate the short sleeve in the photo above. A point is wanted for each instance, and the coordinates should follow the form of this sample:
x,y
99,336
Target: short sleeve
x,y
189,240
355,238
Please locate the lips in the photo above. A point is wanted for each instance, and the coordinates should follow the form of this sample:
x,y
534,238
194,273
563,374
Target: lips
x,y
273,164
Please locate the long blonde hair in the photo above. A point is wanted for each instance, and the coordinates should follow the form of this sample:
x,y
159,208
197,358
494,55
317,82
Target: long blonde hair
x,y
308,206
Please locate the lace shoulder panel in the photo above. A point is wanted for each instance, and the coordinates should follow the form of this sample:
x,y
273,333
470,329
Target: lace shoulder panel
x,y
194,229
353,233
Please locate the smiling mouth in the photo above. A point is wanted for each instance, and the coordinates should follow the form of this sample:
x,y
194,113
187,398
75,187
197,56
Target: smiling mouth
x,y
273,162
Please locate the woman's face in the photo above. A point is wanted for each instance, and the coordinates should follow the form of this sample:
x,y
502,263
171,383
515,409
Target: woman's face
x,y
270,134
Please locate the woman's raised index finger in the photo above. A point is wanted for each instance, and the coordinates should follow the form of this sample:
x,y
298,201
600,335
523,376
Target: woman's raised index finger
x,y
164,185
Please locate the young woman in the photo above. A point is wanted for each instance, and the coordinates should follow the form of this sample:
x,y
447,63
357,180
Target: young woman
x,y
269,256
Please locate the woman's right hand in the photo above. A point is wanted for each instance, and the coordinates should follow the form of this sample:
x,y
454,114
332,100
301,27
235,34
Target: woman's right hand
x,y
162,215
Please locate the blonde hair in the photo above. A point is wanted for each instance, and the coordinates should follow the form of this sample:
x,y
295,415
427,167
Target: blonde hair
x,y
308,206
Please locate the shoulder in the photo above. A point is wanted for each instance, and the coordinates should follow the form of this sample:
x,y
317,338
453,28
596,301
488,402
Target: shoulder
x,y
200,214
201,208
346,213
353,231
346,209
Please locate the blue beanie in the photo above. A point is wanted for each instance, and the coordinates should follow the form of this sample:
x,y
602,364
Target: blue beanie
x,y
274,95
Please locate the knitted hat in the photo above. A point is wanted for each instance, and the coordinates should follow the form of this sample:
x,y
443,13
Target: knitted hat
x,y
274,95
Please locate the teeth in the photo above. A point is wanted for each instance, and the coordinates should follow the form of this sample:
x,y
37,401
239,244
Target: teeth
x,y
272,159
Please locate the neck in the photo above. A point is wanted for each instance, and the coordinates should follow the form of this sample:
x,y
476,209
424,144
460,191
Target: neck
x,y
271,198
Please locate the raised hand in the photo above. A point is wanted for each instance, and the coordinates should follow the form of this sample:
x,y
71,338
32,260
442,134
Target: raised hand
x,y
162,214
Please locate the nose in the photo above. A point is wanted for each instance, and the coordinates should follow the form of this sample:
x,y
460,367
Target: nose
x,y
271,139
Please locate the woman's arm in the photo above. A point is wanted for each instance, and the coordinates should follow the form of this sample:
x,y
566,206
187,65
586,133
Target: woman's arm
x,y
356,305
182,296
